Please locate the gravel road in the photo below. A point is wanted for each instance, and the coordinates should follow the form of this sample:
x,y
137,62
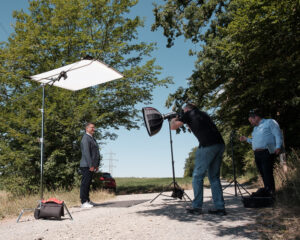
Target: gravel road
x,y
134,217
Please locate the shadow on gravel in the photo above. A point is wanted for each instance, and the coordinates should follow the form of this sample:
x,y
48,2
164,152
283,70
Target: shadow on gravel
x,y
121,204
239,221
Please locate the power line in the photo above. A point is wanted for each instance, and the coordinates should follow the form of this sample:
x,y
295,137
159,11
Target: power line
x,y
4,29
111,160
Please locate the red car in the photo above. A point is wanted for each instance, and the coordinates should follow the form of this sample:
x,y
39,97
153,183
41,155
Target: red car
x,y
108,182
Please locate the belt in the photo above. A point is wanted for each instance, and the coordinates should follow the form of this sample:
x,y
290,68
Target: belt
x,y
260,149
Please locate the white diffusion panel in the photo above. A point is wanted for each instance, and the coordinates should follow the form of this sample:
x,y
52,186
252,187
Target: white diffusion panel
x,y
80,75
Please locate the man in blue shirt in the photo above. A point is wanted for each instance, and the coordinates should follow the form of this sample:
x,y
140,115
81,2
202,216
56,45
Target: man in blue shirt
x,y
266,143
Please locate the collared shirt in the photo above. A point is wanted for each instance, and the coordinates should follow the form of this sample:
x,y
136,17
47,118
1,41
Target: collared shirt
x,y
266,135
89,134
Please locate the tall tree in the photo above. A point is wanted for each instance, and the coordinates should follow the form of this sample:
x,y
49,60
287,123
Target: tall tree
x,y
54,33
190,163
249,58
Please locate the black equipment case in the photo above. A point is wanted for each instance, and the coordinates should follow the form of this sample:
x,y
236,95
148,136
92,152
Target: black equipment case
x,y
257,202
50,209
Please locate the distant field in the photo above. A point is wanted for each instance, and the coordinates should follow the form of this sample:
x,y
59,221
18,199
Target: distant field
x,y
149,185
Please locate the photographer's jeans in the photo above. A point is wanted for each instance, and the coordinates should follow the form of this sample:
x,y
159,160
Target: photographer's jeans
x,y
210,159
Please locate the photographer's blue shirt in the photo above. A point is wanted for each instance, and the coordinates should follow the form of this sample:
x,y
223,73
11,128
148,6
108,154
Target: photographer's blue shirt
x,y
267,135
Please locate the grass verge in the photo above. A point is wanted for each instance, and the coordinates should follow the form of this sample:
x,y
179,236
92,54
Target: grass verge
x,y
283,220
11,206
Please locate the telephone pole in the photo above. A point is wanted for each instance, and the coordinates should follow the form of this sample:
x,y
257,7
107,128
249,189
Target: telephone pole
x,y
111,160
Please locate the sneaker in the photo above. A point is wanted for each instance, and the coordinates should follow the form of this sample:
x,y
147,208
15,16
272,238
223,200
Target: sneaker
x,y
196,211
220,212
86,205
92,203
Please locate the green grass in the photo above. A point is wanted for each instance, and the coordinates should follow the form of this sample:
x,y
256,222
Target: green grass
x,y
149,185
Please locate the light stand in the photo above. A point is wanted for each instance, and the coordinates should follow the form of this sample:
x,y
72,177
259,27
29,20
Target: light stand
x,y
237,185
42,143
178,192
42,154
85,73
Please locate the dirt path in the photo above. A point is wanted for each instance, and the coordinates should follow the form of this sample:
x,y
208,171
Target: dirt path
x,y
134,217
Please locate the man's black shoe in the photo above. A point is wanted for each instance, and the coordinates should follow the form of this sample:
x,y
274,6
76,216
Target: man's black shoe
x,y
196,211
220,212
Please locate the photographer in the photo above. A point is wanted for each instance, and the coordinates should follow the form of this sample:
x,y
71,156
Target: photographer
x,y
266,143
208,157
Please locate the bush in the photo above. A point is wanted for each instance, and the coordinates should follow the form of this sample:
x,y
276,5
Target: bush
x,y
288,181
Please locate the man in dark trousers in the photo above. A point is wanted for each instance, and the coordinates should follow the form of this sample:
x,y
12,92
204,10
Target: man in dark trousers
x,y
208,157
89,163
266,143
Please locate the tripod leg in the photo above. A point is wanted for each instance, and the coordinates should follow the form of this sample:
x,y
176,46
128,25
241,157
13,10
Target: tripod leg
x,y
68,211
161,192
228,185
239,185
187,196
24,210
184,194
20,215
156,197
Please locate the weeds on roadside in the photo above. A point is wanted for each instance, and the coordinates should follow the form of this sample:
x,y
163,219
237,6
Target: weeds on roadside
x,y
11,205
288,182
282,221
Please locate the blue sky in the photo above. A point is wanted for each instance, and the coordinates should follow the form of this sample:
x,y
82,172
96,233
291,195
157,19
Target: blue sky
x,y
137,154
